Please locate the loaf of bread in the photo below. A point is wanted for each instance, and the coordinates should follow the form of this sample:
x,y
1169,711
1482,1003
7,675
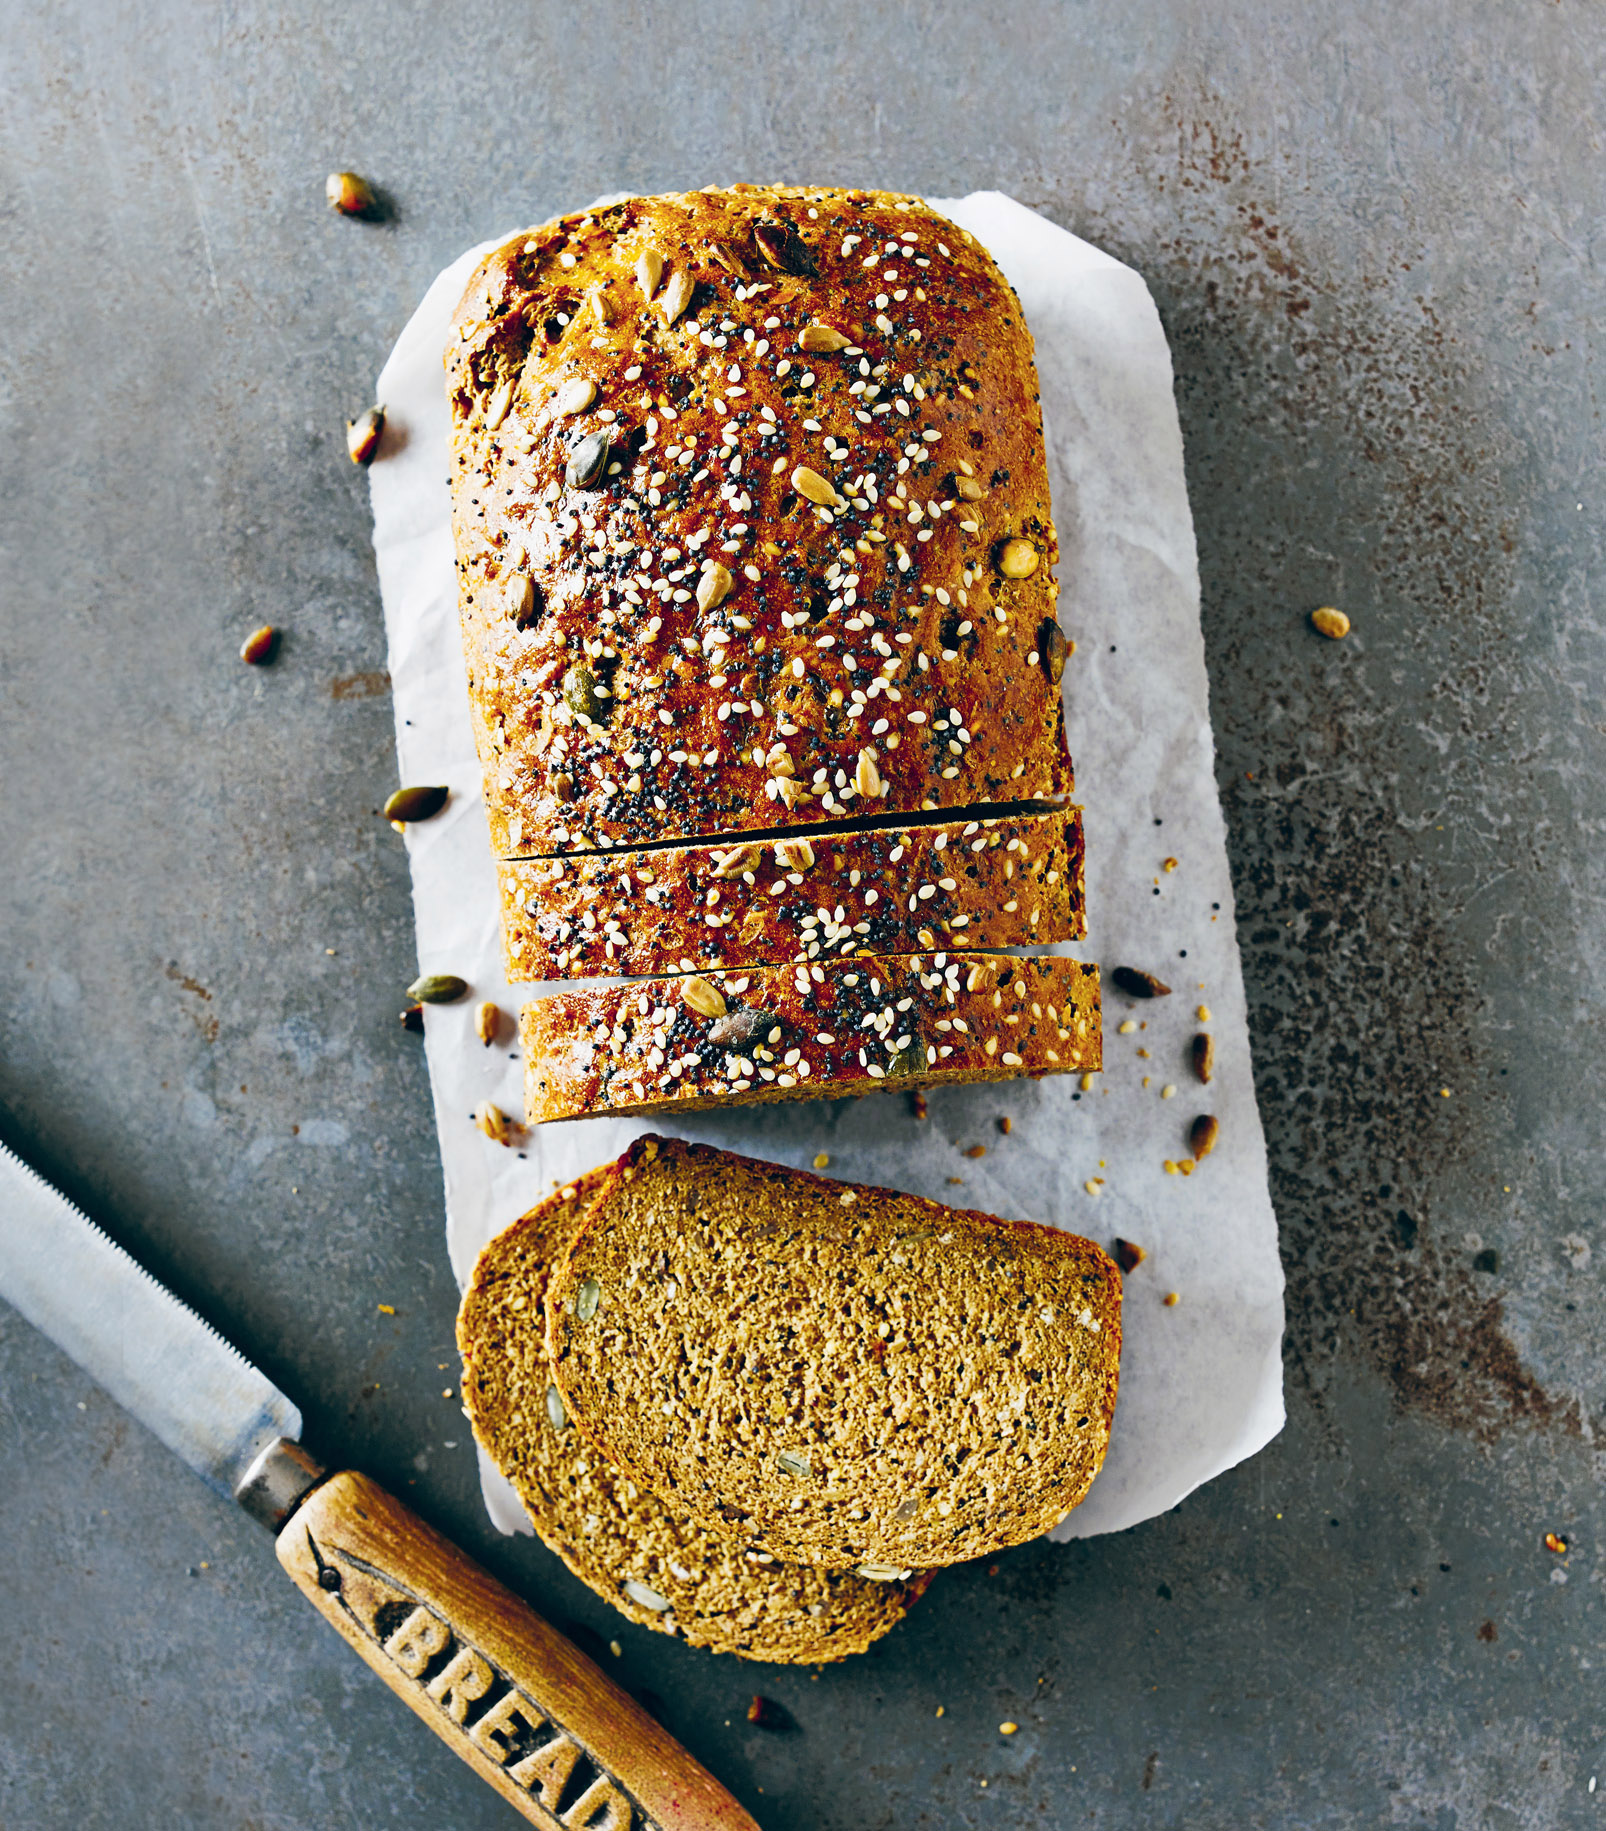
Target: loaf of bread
x,y
613,1533
834,1373
987,882
752,522
804,1032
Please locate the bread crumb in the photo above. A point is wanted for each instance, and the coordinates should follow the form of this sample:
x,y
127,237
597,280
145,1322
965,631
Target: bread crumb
x,y
1172,1299
976,1150
1087,1080
1006,1125
1008,1729
387,1309
1203,1014
1126,1028
940,1710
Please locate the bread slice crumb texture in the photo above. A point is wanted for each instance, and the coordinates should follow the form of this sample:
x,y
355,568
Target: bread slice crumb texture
x,y
613,1533
838,1374
807,1031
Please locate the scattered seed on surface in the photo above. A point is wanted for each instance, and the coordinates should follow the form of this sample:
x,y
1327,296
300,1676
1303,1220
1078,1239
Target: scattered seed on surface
x,y
1128,1255
415,804
1330,623
1137,984
1204,1055
363,435
677,295
813,487
1202,1136
259,648
437,988
1172,1299
494,1122
487,1021
413,1019
349,194
649,271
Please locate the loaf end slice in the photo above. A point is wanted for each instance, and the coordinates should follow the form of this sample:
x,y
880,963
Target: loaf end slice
x,y
614,1534
985,882
806,1032
836,1373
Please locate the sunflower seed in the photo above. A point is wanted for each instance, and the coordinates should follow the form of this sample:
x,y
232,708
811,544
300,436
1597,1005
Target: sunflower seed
x,y
794,855
820,339
967,489
601,307
866,777
739,859
811,485
1202,1136
362,435
574,396
703,997
648,1598
586,1299
885,1573
1139,985
588,462
437,989
1204,1055
487,1021
714,586
415,803
649,271
260,646
784,249
554,1408
1052,645
349,194
797,1466
728,258
1017,559
496,408
494,1123
677,295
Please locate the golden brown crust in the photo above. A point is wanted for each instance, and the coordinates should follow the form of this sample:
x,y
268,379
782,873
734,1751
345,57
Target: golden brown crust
x,y
972,883
878,650
834,1372
844,1027
615,1535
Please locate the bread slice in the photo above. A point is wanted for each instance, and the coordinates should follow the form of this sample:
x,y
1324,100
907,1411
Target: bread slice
x,y
617,1537
974,883
806,1033
752,521
832,1372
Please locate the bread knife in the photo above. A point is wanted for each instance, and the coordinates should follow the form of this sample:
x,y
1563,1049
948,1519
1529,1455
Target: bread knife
x,y
525,1709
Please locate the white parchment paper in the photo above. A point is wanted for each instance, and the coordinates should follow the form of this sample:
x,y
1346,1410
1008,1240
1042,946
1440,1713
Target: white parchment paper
x,y
1201,1381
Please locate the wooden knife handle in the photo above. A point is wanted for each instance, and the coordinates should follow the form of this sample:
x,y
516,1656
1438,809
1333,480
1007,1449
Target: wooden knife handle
x,y
526,1710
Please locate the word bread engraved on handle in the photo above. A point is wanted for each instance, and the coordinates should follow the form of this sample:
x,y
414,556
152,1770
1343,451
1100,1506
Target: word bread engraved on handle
x,y
523,1735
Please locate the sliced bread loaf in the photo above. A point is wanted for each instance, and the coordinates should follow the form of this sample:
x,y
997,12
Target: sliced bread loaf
x,y
972,883
837,1374
806,1032
615,1535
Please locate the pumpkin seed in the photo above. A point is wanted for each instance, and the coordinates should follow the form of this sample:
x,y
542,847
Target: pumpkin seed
x,y
784,249
349,194
437,989
649,271
703,997
885,1573
677,295
1204,1055
1139,985
586,1299
820,339
967,489
797,1466
574,396
563,786
1331,623
554,1408
1054,648
588,462
648,1598
260,646
1017,559
812,486
738,1027
911,1059
416,803
580,690
362,435
714,586
1202,1136
487,1021
866,777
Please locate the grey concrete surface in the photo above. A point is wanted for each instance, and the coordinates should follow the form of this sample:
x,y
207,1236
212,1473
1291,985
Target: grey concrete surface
x,y
1374,233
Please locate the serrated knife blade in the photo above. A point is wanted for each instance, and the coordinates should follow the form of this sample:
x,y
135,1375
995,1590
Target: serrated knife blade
x,y
153,1354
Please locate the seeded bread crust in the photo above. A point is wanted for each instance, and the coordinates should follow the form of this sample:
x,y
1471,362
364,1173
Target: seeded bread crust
x,y
609,1531
844,1027
975,883
668,639
836,1373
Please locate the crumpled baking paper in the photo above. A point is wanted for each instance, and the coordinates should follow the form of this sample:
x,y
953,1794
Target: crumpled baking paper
x,y
1201,1378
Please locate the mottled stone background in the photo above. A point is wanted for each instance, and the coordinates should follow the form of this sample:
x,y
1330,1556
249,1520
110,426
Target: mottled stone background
x,y
1374,235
